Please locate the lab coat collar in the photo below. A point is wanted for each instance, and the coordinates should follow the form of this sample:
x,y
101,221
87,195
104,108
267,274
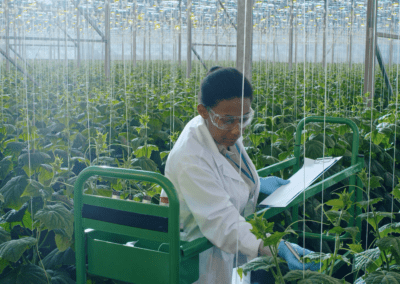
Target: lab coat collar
x,y
207,140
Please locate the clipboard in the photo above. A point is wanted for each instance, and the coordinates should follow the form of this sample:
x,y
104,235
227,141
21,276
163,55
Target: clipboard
x,y
308,174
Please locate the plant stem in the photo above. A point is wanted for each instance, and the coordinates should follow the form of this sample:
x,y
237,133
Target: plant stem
x,y
337,243
274,251
44,239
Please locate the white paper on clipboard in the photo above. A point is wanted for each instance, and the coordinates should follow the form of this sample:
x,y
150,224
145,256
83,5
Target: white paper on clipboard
x,y
311,170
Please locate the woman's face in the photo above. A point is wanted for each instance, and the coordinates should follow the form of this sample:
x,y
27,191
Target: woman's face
x,y
231,107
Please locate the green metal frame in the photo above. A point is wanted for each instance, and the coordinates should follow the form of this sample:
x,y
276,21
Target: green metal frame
x,y
104,245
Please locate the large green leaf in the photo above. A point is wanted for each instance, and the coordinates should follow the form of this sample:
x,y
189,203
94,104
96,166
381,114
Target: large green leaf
x,y
145,151
34,159
12,191
311,277
383,277
329,142
63,242
379,216
56,258
264,262
60,277
6,166
27,274
389,228
145,164
13,250
56,217
389,243
323,258
314,149
14,215
15,147
4,235
369,259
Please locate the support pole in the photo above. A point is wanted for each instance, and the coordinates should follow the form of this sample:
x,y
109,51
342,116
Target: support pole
x,y
333,45
216,33
383,69
179,34
107,45
391,46
316,44
78,38
149,33
7,36
15,41
291,36
189,39
244,37
351,33
134,25
325,24
370,46
144,42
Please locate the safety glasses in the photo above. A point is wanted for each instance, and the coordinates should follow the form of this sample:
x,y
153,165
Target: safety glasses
x,y
228,122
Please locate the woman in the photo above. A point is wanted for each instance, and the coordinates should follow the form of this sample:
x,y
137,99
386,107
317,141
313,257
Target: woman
x,y
204,167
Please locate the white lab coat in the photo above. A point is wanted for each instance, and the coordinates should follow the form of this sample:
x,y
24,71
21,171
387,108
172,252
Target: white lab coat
x,y
211,194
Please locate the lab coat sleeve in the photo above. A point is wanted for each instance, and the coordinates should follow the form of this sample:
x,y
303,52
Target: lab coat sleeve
x,y
218,220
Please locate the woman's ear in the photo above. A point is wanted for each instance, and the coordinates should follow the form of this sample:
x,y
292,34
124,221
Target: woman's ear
x,y
201,109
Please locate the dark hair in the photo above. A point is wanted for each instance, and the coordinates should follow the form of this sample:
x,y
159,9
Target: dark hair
x,y
223,83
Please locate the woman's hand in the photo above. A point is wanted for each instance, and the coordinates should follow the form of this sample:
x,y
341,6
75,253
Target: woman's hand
x,y
269,184
293,263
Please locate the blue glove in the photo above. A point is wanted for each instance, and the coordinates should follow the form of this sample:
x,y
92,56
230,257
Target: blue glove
x,y
269,184
292,261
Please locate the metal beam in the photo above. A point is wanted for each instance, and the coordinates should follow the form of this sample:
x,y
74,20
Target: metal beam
x,y
19,68
383,69
90,21
291,36
68,36
20,57
46,45
351,33
179,34
189,39
134,36
209,44
244,39
47,39
370,48
324,35
226,13
7,34
107,58
386,35
199,58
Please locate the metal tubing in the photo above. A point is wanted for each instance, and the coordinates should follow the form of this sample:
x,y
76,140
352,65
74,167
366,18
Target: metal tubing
x,y
370,48
383,69
7,36
49,39
324,35
189,39
291,36
107,59
244,45
173,217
